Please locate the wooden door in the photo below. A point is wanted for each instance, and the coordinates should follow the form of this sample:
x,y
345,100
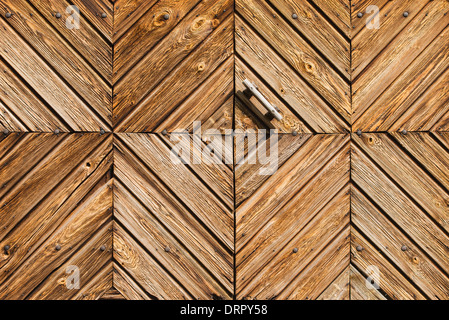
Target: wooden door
x,y
94,104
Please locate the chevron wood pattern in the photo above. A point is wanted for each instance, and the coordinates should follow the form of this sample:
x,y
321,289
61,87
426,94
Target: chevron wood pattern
x,y
357,208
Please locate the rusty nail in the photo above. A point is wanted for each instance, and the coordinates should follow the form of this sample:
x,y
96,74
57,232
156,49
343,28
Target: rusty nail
x,y
102,248
294,132
58,247
164,132
58,15
7,247
294,16
166,16
359,133
405,14
404,132
295,250
359,248
404,248
360,14
104,15
8,15
167,249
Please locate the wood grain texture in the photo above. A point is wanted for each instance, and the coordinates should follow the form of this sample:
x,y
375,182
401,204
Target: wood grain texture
x,y
49,224
395,81
299,54
280,233
191,51
185,233
393,215
298,95
89,119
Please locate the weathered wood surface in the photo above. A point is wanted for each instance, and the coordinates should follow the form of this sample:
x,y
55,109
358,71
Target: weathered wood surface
x,y
399,70
279,233
141,227
311,90
180,57
183,229
398,202
72,210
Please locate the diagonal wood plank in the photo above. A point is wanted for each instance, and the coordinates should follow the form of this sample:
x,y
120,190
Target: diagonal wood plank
x,y
279,233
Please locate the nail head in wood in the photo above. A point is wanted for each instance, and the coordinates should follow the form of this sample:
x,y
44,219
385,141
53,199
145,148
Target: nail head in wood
x,y
57,131
103,248
360,14
164,132
102,131
167,249
58,15
295,133
405,14
104,15
58,247
359,133
6,132
166,16
295,250
294,16
8,15
404,132
404,248
359,248
7,247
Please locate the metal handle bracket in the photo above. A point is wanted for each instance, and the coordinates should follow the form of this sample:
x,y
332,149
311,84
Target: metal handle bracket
x,y
256,93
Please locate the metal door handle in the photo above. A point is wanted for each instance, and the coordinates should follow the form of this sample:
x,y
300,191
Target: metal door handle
x,y
271,109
